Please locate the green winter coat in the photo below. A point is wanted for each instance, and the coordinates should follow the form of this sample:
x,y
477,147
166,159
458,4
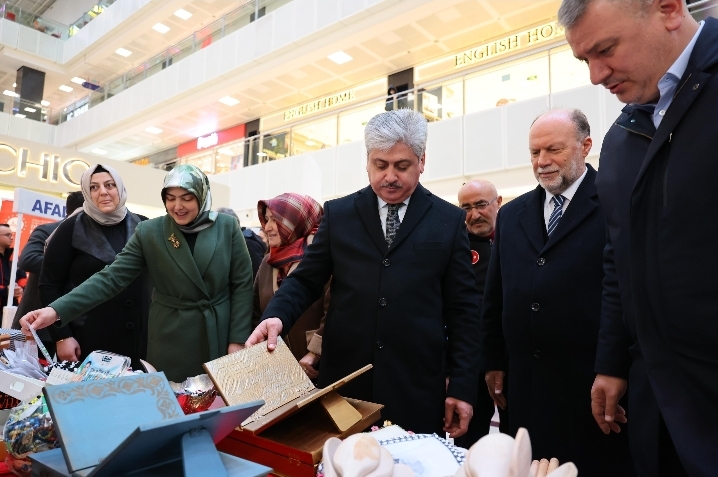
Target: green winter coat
x,y
202,301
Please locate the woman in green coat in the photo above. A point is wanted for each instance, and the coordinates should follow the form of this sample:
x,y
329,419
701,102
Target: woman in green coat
x,y
201,271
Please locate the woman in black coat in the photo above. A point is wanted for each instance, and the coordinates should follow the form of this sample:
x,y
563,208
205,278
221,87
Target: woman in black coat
x,y
82,246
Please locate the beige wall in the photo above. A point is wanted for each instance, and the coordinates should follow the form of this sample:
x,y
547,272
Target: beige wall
x,y
143,183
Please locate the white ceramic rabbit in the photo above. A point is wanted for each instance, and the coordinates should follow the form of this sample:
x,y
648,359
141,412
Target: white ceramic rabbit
x,y
500,455
360,455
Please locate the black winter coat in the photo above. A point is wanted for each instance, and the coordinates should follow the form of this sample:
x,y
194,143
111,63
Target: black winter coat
x,y
542,303
79,249
392,307
659,326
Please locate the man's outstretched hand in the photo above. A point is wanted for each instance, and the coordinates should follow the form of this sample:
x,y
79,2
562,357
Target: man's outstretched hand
x,y
267,330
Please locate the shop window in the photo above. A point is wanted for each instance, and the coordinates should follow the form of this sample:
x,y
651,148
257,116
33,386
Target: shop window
x,y
566,71
516,81
314,136
351,123
229,157
274,146
442,102
204,161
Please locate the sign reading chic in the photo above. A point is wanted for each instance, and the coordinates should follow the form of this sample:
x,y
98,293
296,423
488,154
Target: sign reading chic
x,y
319,105
49,167
510,44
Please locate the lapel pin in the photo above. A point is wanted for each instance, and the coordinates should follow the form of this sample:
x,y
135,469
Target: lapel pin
x,y
175,242
696,86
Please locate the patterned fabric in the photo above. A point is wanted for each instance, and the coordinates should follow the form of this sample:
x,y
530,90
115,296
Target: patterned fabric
x,y
297,217
558,201
192,179
89,207
392,222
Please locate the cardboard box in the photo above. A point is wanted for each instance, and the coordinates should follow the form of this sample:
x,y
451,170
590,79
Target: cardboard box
x,y
293,446
20,387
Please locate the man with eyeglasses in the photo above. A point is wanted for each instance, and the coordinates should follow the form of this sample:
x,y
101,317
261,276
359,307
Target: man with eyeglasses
x,y
6,250
542,302
481,202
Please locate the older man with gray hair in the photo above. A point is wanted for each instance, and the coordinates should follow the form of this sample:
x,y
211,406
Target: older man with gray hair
x,y
403,295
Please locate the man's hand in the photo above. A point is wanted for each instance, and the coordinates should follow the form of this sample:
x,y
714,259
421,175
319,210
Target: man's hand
x,y
39,319
234,347
495,383
605,394
68,349
308,363
17,292
457,415
267,330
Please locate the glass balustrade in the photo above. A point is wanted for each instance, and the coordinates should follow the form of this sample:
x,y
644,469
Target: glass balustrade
x,y
12,104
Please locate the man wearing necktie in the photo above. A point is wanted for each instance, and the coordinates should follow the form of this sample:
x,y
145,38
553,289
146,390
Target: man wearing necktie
x,y
403,295
542,302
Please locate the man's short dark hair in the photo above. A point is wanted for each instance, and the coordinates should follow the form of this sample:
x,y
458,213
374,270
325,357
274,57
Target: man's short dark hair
x,y
73,201
5,225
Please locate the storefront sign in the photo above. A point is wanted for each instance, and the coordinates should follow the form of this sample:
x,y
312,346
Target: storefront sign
x,y
320,104
214,139
40,205
510,44
207,141
49,167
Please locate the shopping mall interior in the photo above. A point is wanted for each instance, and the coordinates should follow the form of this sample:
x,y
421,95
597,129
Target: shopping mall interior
x,y
271,96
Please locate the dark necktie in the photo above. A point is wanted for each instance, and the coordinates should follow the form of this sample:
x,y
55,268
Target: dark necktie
x,y
392,222
558,201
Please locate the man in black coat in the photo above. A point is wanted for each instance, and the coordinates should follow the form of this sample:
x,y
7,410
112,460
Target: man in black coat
x,y
255,245
543,302
31,261
6,251
401,289
659,332
481,202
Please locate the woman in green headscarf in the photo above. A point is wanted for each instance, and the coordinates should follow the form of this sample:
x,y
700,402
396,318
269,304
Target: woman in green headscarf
x,y
201,271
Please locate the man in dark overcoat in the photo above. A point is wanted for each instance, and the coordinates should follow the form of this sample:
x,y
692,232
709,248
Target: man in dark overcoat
x,y
402,287
481,202
542,302
659,326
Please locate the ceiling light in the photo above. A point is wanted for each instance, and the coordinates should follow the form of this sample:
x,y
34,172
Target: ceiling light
x,y
310,143
14,85
99,151
12,94
161,28
153,130
66,89
340,57
45,103
77,80
226,151
229,101
30,110
20,115
262,154
123,52
183,14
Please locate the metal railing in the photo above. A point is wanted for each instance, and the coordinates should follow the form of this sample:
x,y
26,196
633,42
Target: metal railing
x,y
200,39
12,104
12,12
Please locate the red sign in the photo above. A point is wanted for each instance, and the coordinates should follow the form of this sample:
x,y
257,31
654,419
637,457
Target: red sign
x,y
211,140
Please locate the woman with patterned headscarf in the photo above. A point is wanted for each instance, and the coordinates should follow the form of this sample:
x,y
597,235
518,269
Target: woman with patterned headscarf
x,y
200,268
290,222
80,247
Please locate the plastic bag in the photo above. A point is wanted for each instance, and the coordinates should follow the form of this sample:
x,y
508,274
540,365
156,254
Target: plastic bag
x,y
23,361
29,429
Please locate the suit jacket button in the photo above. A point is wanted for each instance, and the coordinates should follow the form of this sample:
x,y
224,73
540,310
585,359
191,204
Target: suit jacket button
x,y
537,354
128,303
535,307
382,301
129,325
379,344
541,261
386,262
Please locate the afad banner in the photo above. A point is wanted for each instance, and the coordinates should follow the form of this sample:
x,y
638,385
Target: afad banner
x,y
36,209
